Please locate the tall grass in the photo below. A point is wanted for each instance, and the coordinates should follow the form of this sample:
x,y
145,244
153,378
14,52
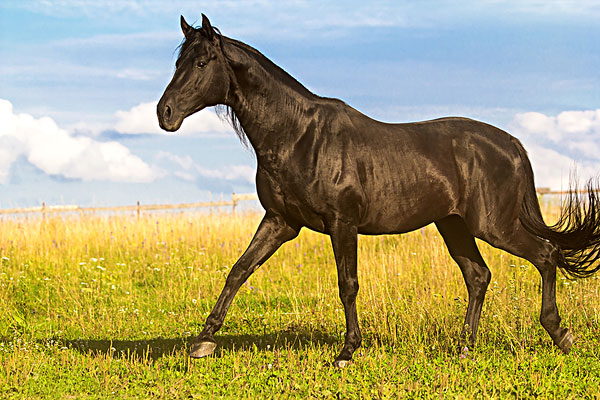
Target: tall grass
x,y
105,306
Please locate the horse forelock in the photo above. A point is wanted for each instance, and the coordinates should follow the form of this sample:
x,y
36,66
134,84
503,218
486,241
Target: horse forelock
x,y
194,37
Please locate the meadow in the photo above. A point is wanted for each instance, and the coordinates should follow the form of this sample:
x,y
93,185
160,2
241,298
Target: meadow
x,y
105,306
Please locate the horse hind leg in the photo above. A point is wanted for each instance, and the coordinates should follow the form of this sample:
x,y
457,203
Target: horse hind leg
x,y
463,249
544,256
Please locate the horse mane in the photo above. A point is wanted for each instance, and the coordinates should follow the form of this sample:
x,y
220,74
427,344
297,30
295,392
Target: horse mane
x,y
272,68
226,113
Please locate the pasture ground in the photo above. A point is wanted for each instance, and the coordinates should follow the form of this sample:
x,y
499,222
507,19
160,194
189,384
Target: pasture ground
x,y
105,307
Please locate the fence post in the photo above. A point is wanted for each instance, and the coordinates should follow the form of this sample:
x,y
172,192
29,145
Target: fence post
x,y
233,203
138,209
43,210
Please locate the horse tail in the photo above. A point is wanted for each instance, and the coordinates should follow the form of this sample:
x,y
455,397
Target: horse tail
x,y
577,232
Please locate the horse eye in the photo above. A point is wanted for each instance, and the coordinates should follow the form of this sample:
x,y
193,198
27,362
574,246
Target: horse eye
x,y
200,64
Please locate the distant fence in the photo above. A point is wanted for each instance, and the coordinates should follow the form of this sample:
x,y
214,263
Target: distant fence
x,y
138,208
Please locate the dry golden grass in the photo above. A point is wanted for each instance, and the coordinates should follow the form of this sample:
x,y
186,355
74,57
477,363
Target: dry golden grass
x,y
103,306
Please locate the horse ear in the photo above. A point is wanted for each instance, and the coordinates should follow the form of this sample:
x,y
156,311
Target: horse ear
x,y
207,27
185,27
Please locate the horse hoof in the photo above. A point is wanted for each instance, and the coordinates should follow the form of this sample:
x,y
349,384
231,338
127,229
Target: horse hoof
x,y
341,363
566,342
202,349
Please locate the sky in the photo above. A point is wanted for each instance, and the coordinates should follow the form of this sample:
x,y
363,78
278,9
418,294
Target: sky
x,y
79,81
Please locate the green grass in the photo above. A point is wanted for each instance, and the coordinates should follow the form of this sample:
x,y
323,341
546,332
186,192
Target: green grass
x,y
105,307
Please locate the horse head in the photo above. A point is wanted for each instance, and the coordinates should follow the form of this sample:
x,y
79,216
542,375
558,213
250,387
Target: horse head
x,y
202,76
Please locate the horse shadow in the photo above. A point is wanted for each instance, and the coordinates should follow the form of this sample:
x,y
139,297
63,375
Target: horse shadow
x,y
156,348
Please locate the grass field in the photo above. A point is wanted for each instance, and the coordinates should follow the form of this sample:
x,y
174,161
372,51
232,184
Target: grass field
x,y
105,306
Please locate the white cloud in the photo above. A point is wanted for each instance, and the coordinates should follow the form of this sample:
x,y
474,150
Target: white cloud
x,y
586,148
560,144
535,124
142,119
566,126
553,169
189,170
579,122
57,152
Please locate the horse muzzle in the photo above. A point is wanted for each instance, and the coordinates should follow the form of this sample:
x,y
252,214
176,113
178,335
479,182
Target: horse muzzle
x,y
168,118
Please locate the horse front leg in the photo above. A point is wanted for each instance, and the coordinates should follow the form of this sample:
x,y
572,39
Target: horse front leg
x,y
272,232
344,238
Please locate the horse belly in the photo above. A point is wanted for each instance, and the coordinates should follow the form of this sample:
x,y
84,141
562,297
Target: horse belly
x,y
401,197
405,213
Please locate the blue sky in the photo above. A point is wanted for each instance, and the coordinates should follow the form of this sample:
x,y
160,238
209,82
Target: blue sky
x,y
79,80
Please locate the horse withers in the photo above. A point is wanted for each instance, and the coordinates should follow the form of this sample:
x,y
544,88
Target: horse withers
x,y
323,165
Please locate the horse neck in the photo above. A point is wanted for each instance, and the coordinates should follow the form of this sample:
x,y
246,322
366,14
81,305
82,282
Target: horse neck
x,y
270,105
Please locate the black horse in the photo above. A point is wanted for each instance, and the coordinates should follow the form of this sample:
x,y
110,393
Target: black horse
x,y
324,165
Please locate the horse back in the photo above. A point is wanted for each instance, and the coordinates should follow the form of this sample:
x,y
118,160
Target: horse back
x,y
416,173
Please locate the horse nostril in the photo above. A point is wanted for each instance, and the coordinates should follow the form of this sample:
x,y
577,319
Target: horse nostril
x,y
167,113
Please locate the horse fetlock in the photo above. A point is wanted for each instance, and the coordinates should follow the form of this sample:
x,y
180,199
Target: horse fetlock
x,y
551,323
352,343
468,336
212,325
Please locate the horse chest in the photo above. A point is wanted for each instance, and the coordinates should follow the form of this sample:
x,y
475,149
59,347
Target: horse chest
x,y
284,193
